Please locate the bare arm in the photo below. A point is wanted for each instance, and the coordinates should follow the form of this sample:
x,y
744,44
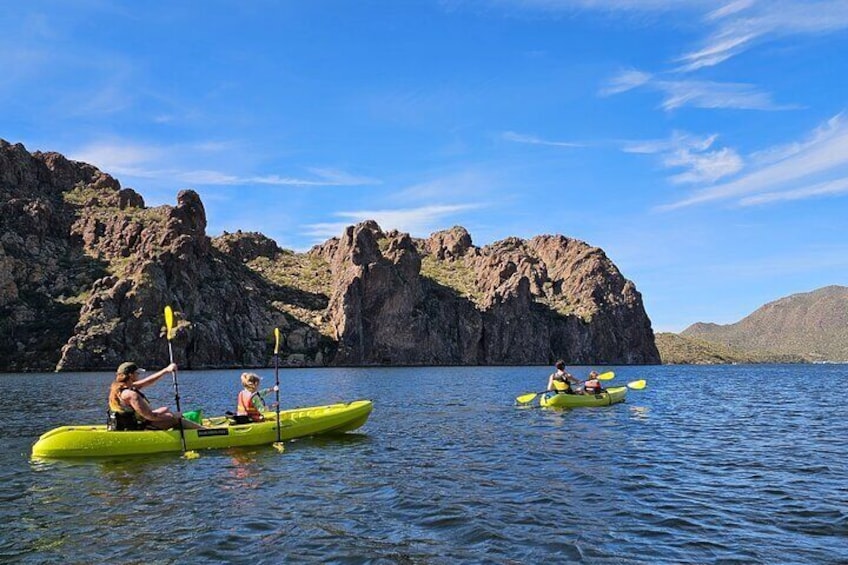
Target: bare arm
x,y
147,381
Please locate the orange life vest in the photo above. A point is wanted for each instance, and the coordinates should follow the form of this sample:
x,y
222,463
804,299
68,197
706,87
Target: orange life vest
x,y
592,386
246,407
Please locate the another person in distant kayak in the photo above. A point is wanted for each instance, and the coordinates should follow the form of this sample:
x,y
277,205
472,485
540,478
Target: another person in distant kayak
x,y
561,380
592,385
129,408
251,403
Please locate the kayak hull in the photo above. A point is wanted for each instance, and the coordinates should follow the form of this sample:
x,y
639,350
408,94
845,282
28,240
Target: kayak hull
x,y
97,441
612,395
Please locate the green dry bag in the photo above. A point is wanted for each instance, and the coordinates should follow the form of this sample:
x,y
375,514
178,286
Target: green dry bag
x,y
195,416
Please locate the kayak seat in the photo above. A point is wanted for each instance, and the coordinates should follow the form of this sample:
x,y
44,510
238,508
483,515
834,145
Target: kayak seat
x,y
122,421
236,420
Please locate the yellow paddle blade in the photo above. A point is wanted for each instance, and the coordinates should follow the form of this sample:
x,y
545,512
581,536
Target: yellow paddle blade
x,y
169,320
638,385
277,344
525,398
191,455
279,446
608,376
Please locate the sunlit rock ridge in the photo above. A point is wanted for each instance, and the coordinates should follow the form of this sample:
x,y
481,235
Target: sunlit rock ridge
x,y
86,270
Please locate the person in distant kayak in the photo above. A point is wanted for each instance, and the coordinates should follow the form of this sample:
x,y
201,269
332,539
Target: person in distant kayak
x,y
129,408
561,380
592,385
251,403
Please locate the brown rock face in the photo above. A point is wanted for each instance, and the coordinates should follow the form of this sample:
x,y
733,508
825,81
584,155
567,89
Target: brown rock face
x,y
86,271
449,244
374,285
527,302
246,247
44,272
224,310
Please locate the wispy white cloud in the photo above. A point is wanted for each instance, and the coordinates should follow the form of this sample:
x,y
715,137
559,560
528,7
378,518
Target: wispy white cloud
x,y
832,188
730,8
731,27
470,183
702,164
533,140
677,140
820,135
719,50
704,167
697,94
419,222
118,158
744,23
341,178
201,177
610,5
814,167
138,161
624,81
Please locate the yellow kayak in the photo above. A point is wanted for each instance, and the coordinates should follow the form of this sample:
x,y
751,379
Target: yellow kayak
x,y
612,395
97,441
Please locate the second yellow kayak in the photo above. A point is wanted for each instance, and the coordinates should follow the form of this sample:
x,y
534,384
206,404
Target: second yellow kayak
x,y
611,395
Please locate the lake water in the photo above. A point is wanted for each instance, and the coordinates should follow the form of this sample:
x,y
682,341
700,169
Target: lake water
x,y
730,464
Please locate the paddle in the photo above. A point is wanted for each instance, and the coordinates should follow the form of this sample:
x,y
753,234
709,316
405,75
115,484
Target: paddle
x,y
525,398
169,325
635,385
278,445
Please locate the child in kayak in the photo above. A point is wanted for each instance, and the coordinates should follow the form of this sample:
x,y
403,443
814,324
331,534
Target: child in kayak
x,y
251,404
561,380
592,385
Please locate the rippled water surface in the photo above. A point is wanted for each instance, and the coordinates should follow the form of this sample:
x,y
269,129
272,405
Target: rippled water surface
x,y
734,464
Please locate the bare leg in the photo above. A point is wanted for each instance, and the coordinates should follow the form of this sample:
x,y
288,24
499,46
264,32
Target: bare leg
x,y
169,421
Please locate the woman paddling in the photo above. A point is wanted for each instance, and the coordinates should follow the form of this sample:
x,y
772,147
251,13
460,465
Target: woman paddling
x,y
561,380
129,409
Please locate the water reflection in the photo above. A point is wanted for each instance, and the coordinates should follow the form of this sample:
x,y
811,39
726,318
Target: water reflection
x,y
639,412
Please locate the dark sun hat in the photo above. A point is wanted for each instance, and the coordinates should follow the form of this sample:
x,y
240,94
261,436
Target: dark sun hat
x,y
129,367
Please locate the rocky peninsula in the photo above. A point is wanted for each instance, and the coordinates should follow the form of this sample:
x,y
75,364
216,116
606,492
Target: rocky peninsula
x,y
86,270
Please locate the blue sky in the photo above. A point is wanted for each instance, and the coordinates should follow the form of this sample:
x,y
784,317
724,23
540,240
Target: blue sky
x,y
702,144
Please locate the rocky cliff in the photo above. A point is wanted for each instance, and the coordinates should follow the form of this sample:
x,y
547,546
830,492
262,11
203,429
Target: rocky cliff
x,y
86,270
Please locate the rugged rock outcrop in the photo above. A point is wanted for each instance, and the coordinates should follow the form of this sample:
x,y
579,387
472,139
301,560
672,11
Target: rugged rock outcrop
x,y
525,302
224,309
86,270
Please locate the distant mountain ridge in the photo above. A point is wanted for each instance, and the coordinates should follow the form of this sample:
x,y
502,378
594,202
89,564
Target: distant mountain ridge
x,y
676,349
811,325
